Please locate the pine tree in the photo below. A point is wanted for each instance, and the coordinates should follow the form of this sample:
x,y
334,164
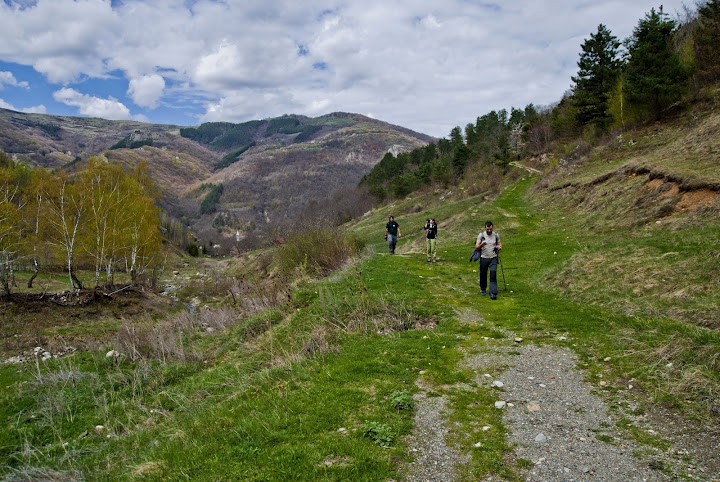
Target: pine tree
x,y
706,40
599,69
655,75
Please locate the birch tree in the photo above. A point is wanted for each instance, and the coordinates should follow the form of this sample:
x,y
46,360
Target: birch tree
x,y
9,219
66,206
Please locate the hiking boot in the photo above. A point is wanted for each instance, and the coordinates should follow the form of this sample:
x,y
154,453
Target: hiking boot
x,y
434,260
428,260
493,297
482,292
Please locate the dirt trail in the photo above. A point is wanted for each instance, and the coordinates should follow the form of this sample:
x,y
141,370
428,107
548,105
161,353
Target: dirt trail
x,y
560,428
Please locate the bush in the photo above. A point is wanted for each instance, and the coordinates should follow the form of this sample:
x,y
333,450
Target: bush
x,y
402,400
193,250
380,433
315,251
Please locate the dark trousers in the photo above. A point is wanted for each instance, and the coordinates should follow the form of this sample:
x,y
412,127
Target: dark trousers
x,y
485,265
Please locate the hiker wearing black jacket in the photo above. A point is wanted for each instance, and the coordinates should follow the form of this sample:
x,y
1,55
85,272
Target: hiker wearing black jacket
x,y
431,239
488,242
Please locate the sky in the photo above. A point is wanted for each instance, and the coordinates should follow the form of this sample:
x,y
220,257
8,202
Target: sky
x,y
421,64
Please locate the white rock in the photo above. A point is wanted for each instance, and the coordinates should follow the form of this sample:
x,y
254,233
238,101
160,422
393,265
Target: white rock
x,y
499,404
562,338
479,444
498,383
541,438
487,375
486,428
99,428
112,353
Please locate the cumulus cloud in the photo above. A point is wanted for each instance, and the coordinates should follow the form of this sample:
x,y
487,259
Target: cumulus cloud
x,y
7,78
418,63
38,109
146,90
109,108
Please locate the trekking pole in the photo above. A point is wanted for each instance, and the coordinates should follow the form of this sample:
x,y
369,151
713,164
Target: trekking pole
x,y
502,271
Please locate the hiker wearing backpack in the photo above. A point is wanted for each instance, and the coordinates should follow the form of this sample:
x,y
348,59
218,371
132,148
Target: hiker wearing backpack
x,y
431,239
488,242
392,232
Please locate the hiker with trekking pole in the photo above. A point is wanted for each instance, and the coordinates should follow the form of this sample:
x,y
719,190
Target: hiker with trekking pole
x,y
488,244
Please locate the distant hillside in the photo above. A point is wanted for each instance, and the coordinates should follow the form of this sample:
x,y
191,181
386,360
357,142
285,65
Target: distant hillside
x,y
270,169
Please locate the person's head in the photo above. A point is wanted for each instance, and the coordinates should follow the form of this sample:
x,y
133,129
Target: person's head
x,y
391,218
488,227
432,221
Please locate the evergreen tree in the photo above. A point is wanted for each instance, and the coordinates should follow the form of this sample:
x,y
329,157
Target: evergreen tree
x,y
456,136
599,68
707,42
655,75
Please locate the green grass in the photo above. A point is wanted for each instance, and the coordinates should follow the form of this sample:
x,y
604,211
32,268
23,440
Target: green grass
x,y
310,390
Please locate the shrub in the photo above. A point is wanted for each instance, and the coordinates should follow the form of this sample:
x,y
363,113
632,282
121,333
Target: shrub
x,y
402,400
315,251
380,433
193,250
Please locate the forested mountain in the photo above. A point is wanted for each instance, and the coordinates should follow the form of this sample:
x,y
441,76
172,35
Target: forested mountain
x,y
219,177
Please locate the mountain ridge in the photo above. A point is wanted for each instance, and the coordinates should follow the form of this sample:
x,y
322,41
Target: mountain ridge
x,y
273,167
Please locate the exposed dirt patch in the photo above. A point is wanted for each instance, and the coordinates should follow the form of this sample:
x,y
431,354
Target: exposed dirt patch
x,y
693,200
85,319
664,188
702,441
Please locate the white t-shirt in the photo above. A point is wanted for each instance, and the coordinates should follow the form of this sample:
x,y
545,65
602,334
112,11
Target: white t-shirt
x,y
488,250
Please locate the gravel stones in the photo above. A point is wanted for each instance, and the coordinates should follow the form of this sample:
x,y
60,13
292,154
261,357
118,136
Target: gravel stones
x,y
555,419
434,459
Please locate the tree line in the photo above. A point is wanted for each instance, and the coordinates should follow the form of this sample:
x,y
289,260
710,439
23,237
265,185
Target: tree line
x,y
102,216
618,85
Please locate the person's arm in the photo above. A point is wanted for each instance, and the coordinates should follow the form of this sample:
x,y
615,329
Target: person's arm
x,y
399,233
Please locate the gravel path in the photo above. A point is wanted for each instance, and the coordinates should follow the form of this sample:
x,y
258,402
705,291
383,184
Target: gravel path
x,y
557,424
434,459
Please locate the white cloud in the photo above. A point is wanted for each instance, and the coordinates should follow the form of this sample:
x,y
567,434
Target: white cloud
x,y
146,90
418,63
38,109
7,78
109,108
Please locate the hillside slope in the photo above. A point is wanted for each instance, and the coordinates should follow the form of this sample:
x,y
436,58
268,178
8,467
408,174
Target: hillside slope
x,y
604,339
271,168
